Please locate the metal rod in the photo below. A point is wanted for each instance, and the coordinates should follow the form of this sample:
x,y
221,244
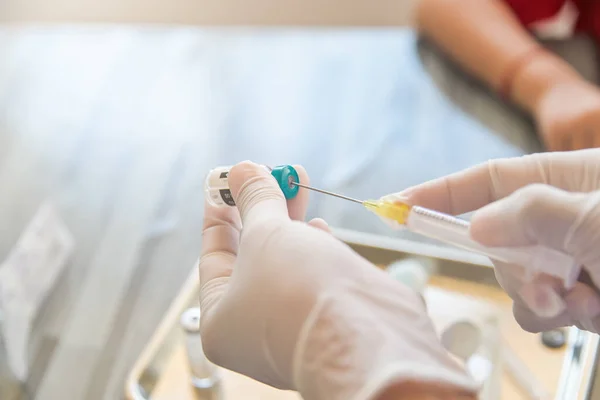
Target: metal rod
x,y
328,193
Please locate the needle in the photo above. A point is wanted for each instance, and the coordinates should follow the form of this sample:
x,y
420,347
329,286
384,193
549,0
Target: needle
x,y
329,193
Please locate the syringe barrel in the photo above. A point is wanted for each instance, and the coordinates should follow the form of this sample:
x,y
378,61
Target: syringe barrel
x,y
216,184
455,231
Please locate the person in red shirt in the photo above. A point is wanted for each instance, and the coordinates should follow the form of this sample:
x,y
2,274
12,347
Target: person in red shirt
x,y
497,41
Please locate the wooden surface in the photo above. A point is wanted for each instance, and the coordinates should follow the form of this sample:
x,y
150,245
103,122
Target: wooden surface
x,y
119,125
175,385
545,364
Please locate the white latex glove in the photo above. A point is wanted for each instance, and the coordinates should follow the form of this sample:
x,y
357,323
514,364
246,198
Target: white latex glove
x,y
290,305
550,199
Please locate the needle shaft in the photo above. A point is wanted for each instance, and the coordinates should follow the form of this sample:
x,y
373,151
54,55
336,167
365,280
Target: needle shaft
x,y
328,193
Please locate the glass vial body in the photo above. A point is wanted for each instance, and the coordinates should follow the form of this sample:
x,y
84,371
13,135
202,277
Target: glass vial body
x,y
413,272
216,185
205,374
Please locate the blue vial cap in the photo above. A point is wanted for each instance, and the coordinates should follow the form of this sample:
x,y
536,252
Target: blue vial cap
x,y
285,175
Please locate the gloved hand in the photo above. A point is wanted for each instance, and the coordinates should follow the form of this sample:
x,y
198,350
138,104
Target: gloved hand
x,y
551,199
289,305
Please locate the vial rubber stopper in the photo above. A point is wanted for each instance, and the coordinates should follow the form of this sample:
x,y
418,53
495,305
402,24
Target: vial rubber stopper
x,y
286,175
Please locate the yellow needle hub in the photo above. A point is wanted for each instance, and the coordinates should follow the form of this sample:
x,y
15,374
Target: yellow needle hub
x,y
395,211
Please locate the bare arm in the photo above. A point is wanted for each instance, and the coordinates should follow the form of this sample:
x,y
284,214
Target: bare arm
x,y
424,391
486,38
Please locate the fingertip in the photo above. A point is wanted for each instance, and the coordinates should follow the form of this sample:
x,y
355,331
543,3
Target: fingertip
x,y
532,323
302,174
423,195
298,205
501,223
321,224
243,172
479,228
583,302
543,299
455,194
256,192
400,197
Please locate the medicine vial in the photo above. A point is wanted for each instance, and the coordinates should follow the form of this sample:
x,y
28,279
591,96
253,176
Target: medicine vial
x,y
216,185
205,374
413,272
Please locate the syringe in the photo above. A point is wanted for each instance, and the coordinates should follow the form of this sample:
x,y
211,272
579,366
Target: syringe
x,y
455,231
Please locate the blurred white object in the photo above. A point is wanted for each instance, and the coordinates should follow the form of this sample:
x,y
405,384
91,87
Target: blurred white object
x,y
561,26
462,339
469,328
413,272
479,367
26,277
204,373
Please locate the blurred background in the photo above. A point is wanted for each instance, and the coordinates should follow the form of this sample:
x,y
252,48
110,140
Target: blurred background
x,y
115,111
